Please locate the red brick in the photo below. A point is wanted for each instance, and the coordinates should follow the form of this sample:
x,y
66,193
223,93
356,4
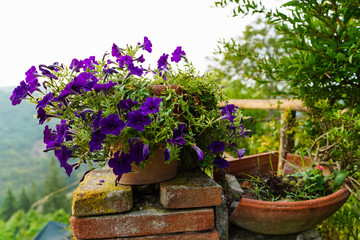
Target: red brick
x,y
205,235
190,190
93,197
149,221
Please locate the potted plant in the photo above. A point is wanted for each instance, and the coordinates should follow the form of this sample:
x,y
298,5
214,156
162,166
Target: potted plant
x,y
117,112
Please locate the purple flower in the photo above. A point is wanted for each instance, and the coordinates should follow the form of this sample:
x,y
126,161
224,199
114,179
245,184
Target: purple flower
x,y
229,108
96,121
112,124
151,105
217,146
140,59
240,152
63,155
97,139
138,71
177,135
146,45
31,78
139,152
84,112
31,75
49,137
126,104
90,63
115,51
138,120
45,72
177,55
84,81
120,164
124,60
41,115
109,71
20,93
220,162
228,117
76,65
162,62
104,87
61,132
199,152
45,101
166,154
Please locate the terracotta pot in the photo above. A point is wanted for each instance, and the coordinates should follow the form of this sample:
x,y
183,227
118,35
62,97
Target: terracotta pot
x,y
154,172
277,218
286,217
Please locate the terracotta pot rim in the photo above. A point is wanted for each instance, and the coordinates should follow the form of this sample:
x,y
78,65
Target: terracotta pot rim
x,y
342,193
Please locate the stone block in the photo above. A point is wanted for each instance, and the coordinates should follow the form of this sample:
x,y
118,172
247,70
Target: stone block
x,y
150,220
204,235
190,190
222,220
98,195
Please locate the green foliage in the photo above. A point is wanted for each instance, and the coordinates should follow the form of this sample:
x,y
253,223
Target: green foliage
x,y
24,201
52,183
9,205
321,39
343,224
24,226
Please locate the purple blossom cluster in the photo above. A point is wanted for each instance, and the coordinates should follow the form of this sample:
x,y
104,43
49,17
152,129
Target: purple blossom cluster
x,y
89,77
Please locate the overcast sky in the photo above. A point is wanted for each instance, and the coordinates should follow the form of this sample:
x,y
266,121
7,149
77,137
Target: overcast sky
x,y
43,31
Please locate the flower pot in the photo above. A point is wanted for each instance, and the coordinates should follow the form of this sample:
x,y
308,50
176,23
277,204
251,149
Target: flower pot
x,y
154,172
277,218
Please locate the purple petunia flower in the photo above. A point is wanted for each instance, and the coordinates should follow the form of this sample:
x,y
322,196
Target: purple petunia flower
x,y
240,152
104,87
112,124
97,139
199,152
126,104
138,71
45,101
120,164
84,81
220,162
90,63
146,45
177,135
45,72
31,78
139,152
63,155
61,132
217,146
138,120
49,137
115,51
31,75
41,115
140,59
151,105
229,108
167,154
20,93
96,121
126,59
177,55
162,62
84,112
109,71
76,65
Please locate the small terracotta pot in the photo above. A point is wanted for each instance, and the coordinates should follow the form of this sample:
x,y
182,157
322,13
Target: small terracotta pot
x,y
154,172
278,218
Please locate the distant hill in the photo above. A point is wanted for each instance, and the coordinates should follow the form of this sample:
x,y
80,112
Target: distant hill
x,y
21,158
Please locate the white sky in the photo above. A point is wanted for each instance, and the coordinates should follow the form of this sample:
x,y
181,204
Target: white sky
x,y
37,32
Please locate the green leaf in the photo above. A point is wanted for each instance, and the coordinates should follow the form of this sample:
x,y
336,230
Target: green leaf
x,y
340,176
